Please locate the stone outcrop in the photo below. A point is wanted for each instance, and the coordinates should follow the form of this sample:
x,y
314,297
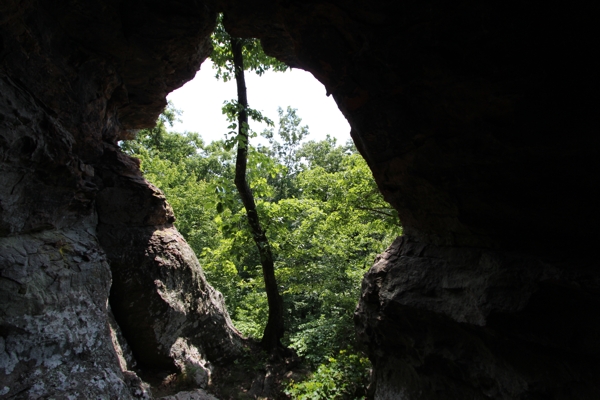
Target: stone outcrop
x,y
444,322
474,117
54,333
54,277
172,318
74,79
198,394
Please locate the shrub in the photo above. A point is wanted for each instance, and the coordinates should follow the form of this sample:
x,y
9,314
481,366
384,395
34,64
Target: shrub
x,y
344,377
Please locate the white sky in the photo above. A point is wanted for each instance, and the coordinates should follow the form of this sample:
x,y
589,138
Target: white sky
x,y
201,100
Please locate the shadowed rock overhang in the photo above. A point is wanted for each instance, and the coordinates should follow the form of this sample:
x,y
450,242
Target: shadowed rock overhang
x,y
475,118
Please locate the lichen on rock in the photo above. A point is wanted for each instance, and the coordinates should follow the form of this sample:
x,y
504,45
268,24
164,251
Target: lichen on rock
x,y
55,336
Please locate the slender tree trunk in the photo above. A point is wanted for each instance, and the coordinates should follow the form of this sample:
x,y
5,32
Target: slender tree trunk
x,y
274,329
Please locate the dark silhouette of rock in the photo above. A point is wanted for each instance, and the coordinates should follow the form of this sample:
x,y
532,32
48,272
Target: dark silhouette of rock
x,y
477,123
445,322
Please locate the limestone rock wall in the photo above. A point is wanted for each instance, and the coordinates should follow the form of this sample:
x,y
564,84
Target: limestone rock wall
x,y
54,337
54,277
168,312
75,77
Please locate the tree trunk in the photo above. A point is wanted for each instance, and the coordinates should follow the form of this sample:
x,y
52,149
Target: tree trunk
x,y
274,329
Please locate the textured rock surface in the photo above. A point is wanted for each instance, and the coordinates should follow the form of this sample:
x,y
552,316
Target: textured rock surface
x,y
169,314
444,323
74,78
54,277
198,394
54,336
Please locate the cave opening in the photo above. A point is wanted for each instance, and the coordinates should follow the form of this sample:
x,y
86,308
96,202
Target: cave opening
x,y
474,117
322,211
201,100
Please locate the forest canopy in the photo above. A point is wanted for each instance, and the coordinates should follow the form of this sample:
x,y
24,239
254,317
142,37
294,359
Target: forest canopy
x,y
322,213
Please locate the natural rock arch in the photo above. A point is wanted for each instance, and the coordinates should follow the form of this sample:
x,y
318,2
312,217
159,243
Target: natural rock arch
x,y
474,118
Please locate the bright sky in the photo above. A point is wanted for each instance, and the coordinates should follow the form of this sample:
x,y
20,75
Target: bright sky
x,y
202,98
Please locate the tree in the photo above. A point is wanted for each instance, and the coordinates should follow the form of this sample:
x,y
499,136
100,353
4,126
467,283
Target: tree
x,y
324,234
236,55
286,151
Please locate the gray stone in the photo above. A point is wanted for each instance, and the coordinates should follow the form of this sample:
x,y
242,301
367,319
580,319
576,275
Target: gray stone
x,y
62,107
197,394
55,338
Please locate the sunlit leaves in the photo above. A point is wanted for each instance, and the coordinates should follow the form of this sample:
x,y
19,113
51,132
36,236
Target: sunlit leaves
x,y
325,230
234,137
341,377
255,58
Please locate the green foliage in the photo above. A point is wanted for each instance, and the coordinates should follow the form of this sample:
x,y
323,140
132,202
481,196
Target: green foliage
x,y
325,154
175,164
231,110
328,236
255,58
324,218
292,135
286,152
344,377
